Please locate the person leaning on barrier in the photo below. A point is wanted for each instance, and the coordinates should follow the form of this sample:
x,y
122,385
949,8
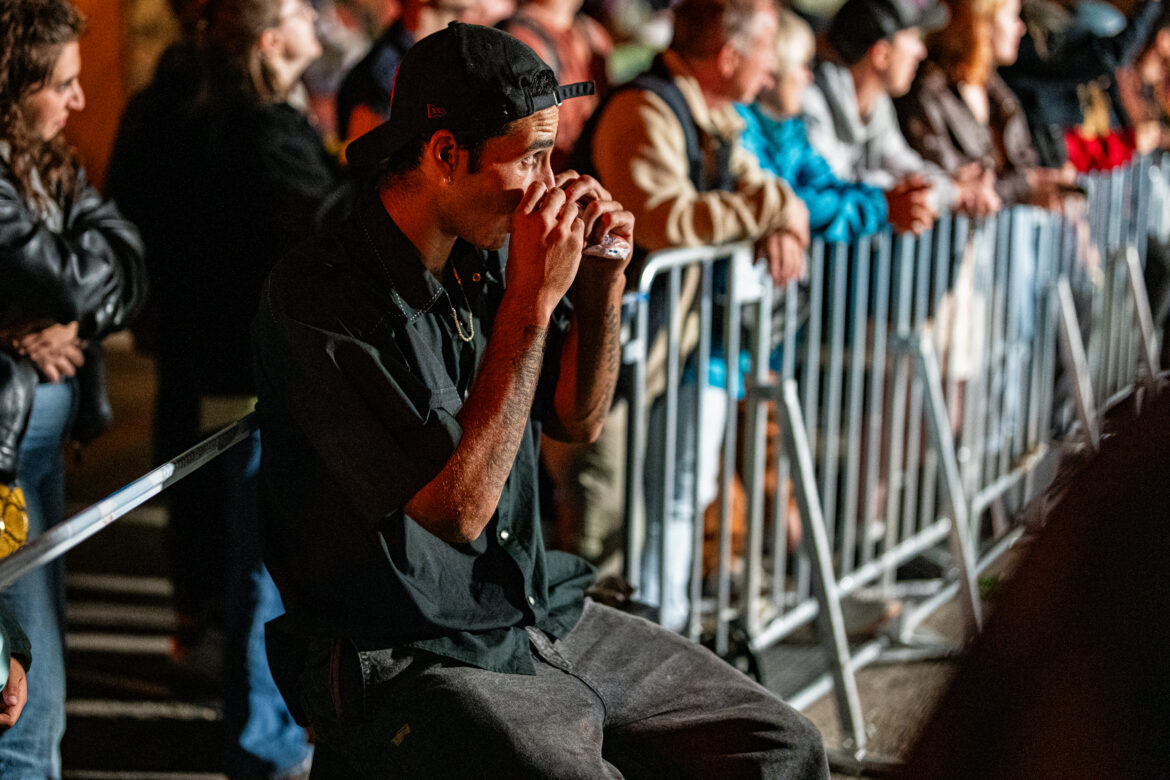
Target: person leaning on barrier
x,y
876,47
960,112
404,372
667,145
1065,79
839,210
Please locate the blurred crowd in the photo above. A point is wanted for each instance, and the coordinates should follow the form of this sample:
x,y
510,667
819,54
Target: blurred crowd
x,y
714,121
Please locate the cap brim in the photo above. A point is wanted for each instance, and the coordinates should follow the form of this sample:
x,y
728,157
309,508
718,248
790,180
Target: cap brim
x,y
934,17
370,149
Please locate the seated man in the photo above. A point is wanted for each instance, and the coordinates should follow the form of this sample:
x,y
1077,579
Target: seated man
x,y
404,374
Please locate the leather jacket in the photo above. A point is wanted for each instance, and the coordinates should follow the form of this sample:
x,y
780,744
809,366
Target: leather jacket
x,y
90,271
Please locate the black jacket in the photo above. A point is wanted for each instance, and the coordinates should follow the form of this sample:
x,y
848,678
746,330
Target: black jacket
x,y
91,272
260,181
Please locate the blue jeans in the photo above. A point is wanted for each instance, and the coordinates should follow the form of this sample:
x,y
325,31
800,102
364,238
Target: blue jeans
x,y
31,749
263,741
616,697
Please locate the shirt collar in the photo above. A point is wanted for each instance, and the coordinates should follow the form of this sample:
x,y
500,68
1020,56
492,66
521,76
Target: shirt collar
x,y
396,265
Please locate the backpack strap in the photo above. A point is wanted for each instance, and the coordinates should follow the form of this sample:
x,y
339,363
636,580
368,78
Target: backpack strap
x,y
659,80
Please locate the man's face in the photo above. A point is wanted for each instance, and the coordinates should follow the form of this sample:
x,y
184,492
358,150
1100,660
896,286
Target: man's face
x,y
480,204
47,109
757,59
906,51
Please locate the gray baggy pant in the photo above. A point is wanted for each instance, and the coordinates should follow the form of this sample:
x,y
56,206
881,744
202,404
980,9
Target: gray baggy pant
x,y
617,697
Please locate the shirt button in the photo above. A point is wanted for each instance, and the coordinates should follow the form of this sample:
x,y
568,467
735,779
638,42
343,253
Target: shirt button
x,y
504,535
532,600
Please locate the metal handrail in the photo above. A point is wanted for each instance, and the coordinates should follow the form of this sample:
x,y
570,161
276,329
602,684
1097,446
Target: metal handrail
x,y
66,535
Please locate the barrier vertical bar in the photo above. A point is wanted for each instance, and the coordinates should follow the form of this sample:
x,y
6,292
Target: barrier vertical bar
x,y
706,321
1098,321
670,437
1147,335
831,408
739,265
876,418
1019,269
995,348
904,275
756,451
829,617
1073,351
636,434
812,366
940,434
921,287
782,556
858,309
941,281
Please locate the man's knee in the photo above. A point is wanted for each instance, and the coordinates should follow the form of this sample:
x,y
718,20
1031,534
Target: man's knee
x,y
803,752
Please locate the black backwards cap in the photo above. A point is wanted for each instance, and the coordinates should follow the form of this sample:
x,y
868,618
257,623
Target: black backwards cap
x,y
459,78
859,24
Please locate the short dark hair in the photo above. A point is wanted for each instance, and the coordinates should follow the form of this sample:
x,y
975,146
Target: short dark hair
x,y
408,158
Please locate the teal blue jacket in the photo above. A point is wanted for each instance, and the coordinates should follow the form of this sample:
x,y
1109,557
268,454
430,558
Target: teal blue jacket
x,y
838,211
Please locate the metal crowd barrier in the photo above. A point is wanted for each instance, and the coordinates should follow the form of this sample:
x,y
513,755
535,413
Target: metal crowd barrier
x,y
918,387
924,389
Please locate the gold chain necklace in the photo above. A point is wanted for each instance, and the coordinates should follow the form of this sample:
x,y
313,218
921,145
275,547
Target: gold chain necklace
x,y
470,317
450,304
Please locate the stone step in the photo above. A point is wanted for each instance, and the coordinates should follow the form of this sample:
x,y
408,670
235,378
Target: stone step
x,y
133,545
103,735
82,774
116,616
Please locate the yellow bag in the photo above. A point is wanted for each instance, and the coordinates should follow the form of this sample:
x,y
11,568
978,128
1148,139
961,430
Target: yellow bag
x,y
13,520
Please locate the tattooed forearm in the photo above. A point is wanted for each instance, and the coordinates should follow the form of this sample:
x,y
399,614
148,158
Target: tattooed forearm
x,y
461,499
590,363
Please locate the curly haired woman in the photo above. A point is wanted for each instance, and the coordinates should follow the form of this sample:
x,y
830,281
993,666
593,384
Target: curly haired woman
x,y
71,271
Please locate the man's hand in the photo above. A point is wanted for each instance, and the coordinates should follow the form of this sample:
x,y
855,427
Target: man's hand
x,y
785,256
14,695
784,250
55,349
548,235
910,205
601,214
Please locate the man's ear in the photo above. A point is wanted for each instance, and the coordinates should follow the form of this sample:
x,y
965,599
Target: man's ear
x,y
442,152
1162,42
269,43
879,54
727,60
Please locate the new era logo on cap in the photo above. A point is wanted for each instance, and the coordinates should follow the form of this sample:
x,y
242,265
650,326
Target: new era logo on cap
x,y
434,111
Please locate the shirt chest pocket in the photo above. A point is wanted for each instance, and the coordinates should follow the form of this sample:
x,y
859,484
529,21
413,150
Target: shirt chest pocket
x,y
446,397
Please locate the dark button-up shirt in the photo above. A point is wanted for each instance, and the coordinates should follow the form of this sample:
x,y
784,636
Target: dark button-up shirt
x,y
361,374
